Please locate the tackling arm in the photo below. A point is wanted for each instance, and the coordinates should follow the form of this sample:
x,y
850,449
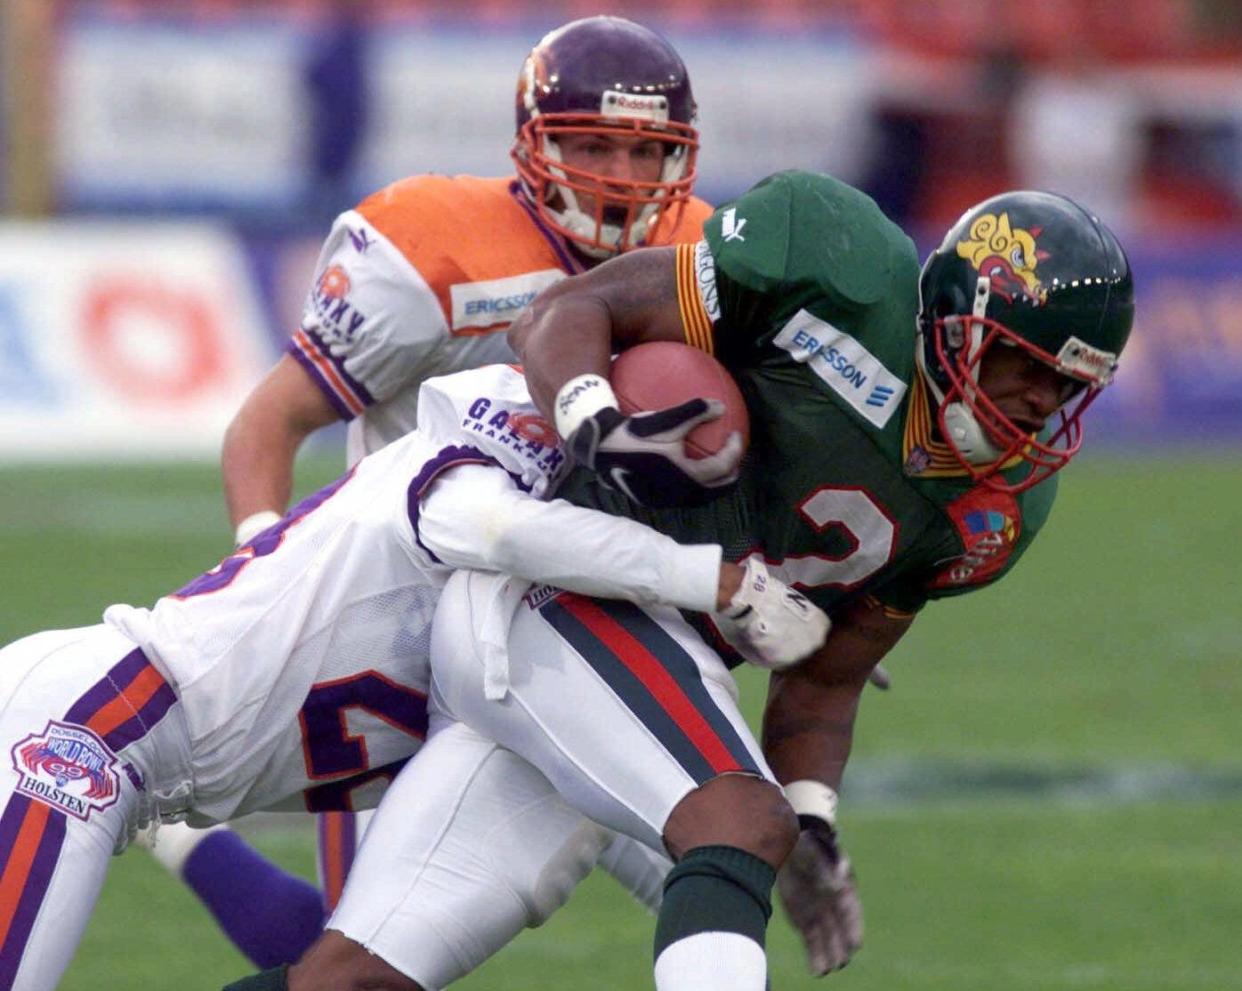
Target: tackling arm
x,y
473,517
262,440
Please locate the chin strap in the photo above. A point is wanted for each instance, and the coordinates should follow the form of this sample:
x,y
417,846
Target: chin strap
x,y
960,423
967,436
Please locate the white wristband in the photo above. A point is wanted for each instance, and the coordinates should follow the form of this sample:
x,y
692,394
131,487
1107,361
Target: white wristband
x,y
253,525
812,798
581,398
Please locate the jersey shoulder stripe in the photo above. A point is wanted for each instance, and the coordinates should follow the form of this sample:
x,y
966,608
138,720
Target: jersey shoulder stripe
x,y
923,454
692,294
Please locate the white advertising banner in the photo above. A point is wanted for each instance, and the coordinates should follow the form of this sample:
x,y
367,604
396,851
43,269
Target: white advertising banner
x,y
156,113
123,340
443,102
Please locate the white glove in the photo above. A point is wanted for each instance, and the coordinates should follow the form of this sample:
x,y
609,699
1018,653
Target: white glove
x,y
769,623
816,883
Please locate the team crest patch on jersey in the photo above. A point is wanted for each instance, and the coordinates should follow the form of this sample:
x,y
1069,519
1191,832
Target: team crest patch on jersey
x,y
533,427
527,434
989,524
334,283
67,767
335,316
848,368
918,461
497,301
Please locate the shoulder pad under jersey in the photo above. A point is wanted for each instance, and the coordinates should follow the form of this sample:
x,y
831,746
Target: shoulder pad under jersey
x,y
490,409
797,230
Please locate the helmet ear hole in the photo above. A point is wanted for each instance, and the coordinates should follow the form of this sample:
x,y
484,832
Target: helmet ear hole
x,y
952,301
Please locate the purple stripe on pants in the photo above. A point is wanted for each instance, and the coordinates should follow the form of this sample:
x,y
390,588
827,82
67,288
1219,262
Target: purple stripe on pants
x,y
34,888
108,687
141,724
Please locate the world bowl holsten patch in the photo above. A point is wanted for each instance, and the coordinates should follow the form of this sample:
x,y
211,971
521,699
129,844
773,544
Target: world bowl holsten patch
x,y
69,768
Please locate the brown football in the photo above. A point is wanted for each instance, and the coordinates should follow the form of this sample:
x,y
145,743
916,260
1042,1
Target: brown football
x,y
665,373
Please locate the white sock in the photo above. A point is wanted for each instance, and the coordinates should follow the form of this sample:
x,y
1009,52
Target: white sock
x,y
712,961
172,843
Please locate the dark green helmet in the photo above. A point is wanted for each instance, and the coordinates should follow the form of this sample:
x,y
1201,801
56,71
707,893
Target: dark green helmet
x,y
1031,270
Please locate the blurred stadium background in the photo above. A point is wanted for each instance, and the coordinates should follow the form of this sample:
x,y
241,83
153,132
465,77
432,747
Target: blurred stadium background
x,y
1050,796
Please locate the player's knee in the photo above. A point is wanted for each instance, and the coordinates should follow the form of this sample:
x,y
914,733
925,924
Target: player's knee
x,y
337,963
735,810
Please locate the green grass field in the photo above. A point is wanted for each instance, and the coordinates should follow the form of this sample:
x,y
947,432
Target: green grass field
x,y
1050,797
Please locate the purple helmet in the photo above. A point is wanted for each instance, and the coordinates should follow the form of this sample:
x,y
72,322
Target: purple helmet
x,y
610,77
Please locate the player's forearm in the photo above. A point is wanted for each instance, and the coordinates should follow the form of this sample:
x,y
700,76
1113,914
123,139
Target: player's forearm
x,y
560,336
261,442
257,463
474,518
573,327
609,557
808,726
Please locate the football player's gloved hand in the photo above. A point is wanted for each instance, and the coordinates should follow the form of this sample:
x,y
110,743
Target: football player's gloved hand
x,y
770,624
816,883
644,455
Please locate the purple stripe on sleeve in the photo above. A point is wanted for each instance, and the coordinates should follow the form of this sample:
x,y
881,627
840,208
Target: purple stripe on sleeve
x,y
108,687
448,457
10,823
338,362
33,891
144,720
343,411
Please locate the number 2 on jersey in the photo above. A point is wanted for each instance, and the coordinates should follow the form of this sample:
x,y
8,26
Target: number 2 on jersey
x,y
332,751
870,530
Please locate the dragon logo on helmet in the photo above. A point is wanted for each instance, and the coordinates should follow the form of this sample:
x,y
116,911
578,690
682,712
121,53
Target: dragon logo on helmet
x,y
1007,255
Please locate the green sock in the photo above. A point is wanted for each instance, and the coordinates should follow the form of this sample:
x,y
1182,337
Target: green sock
x,y
276,979
716,889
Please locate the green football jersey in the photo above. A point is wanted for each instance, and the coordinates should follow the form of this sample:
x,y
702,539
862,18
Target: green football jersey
x,y
812,294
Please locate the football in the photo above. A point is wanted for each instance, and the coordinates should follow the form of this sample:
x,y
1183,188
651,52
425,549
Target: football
x,y
665,373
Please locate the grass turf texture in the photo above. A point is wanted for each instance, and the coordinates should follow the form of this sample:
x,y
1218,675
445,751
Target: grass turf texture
x,y
1047,799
